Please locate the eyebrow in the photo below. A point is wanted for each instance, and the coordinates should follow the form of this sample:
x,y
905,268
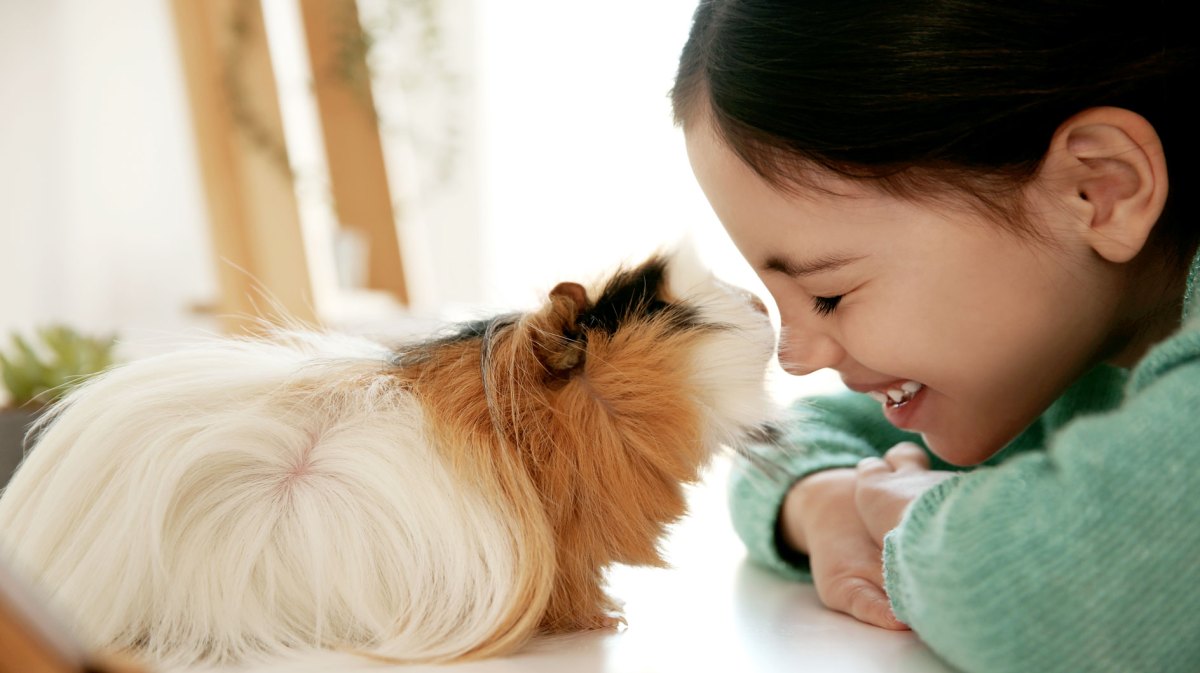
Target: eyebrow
x,y
808,267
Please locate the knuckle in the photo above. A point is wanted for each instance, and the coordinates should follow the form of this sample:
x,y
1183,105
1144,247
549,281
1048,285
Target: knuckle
x,y
906,449
907,452
858,590
871,464
849,593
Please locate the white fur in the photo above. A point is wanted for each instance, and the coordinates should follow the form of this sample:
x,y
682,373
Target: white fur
x,y
729,367
239,499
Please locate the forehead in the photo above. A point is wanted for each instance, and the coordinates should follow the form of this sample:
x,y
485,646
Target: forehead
x,y
790,175
829,212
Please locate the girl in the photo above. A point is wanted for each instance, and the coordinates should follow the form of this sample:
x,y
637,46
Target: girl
x,y
963,208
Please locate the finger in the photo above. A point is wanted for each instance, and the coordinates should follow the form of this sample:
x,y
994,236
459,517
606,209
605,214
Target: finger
x,y
907,455
863,600
872,466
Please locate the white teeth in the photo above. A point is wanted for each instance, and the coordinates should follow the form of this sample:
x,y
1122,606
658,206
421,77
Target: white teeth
x,y
897,397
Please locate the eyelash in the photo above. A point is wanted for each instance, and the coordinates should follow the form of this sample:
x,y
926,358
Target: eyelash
x,y
824,306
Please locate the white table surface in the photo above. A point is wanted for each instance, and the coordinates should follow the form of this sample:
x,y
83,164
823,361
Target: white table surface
x,y
712,610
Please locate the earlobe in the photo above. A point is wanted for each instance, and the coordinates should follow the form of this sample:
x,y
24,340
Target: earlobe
x,y
1114,176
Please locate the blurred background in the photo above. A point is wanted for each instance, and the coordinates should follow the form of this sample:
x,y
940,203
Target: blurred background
x,y
176,167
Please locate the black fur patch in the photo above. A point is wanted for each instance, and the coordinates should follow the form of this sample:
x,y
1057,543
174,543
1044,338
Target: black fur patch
x,y
419,352
635,295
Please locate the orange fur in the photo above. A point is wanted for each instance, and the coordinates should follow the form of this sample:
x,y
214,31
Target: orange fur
x,y
460,421
602,436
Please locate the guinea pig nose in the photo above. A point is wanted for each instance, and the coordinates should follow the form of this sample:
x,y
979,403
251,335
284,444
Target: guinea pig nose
x,y
748,296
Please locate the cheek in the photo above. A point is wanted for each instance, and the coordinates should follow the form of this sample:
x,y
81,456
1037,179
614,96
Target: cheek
x,y
889,333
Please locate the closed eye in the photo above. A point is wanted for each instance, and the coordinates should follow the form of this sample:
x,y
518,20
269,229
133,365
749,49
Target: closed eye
x,y
824,306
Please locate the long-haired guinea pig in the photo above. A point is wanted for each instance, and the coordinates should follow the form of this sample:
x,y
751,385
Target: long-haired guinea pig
x,y
440,501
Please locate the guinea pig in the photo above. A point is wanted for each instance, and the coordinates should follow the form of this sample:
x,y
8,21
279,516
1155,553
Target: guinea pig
x,y
442,500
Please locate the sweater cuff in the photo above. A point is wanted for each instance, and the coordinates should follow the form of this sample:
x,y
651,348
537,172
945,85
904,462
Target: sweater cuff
x,y
756,495
913,523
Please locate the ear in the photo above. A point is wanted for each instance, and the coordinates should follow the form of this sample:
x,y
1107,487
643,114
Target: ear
x,y
558,341
572,293
1107,165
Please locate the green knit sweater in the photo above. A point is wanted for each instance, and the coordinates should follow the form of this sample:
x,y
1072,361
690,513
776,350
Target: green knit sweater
x,y
1076,548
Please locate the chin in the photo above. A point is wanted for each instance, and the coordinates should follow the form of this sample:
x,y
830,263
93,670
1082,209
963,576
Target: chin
x,y
961,452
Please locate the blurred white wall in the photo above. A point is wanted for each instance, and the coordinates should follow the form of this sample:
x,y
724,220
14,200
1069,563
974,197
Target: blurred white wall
x,y
582,165
101,218
571,147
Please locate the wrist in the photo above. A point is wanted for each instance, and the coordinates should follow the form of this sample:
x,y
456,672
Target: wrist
x,y
808,500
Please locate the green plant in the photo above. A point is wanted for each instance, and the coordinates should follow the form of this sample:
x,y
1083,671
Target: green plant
x,y
42,370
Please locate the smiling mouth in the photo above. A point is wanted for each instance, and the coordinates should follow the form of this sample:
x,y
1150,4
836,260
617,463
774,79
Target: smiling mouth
x,y
894,398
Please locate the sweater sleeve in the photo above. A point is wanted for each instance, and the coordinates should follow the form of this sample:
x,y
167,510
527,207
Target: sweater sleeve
x,y
1081,557
819,434
838,431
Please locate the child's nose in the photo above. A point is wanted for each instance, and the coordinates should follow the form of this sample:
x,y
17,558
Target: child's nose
x,y
805,351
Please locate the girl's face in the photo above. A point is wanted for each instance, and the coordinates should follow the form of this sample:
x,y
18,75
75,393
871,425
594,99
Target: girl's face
x,y
893,294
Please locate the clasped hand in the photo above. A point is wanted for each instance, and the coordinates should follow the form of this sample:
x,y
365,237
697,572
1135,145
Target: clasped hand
x,y
840,517
885,486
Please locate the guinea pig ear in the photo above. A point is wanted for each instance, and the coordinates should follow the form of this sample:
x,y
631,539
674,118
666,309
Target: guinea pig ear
x,y
559,343
572,292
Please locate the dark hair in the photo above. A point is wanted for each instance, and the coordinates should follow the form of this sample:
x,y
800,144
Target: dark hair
x,y
923,95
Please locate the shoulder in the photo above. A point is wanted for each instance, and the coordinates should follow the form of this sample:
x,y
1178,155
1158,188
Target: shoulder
x,y
1181,349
